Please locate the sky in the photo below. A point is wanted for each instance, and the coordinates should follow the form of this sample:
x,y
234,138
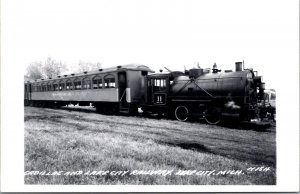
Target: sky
x,y
156,33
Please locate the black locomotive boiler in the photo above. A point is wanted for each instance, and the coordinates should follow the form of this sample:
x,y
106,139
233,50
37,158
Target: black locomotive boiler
x,y
204,93
213,95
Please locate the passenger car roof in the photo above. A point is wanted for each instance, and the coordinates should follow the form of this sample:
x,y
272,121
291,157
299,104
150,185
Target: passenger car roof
x,y
134,67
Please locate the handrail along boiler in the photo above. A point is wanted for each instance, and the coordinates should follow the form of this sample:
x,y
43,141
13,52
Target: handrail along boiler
x,y
205,93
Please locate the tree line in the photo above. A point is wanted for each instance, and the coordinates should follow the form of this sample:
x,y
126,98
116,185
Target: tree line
x,y
52,68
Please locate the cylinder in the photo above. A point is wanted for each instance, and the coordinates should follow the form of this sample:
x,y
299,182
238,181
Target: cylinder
x,y
238,66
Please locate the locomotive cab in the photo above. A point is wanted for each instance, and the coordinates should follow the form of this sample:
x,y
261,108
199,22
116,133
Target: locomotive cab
x,y
157,91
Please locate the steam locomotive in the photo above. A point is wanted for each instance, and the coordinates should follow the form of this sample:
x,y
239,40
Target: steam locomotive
x,y
205,93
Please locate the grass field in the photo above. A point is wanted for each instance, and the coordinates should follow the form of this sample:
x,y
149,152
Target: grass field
x,y
79,141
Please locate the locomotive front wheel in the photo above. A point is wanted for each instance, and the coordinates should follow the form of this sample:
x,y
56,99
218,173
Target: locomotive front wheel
x,y
212,116
181,113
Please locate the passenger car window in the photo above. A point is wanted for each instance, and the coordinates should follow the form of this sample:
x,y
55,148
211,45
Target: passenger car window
x,y
49,86
109,81
39,88
69,85
97,82
55,86
86,83
44,87
61,85
36,87
77,84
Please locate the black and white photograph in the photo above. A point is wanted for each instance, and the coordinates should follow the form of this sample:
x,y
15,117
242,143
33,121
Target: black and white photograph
x,y
112,95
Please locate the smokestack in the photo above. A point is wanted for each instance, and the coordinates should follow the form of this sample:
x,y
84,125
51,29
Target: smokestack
x,y
238,66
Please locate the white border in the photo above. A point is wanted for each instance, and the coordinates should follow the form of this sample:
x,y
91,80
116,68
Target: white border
x,y
12,131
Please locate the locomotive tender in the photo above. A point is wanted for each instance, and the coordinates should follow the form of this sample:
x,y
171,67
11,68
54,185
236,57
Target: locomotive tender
x,y
213,95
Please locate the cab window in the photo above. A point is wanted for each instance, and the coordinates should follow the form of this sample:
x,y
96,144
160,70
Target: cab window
x,y
159,84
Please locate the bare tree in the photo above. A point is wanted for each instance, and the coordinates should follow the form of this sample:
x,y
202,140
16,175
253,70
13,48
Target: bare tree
x,y
88,66
53,68
38,70
34,70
